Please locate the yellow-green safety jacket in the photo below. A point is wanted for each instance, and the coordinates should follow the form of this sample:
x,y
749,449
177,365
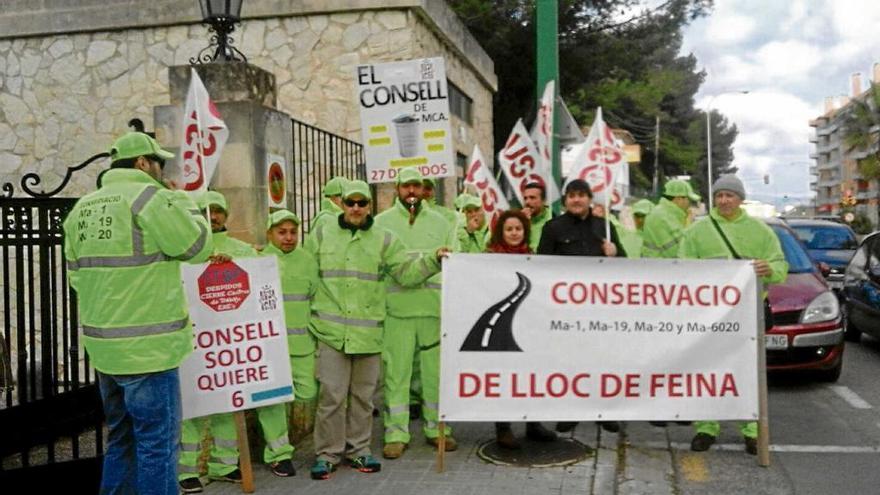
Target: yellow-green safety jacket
x,y
470,242
629,239
663,229
329,212
537,225
123,246
750,237
232,247
429,232
299,282
349,306
450,215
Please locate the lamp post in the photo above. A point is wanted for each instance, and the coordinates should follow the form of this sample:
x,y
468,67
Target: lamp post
x,y
221,16
709,138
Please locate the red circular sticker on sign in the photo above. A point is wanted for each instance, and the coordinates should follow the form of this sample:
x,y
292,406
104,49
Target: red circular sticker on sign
x,y
276,182
224,286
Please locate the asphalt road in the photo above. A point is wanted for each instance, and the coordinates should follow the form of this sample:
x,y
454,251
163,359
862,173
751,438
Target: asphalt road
x,y
825,438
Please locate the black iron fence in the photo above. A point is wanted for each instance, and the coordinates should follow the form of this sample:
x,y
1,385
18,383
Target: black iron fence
x,y
318,156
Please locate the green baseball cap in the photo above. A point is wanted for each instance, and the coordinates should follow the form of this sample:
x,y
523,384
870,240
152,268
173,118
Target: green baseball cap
x,y
680,189
460,200
429,181
281,216
642,207
213,198
408,176
334,186
353,187
470,202
135,144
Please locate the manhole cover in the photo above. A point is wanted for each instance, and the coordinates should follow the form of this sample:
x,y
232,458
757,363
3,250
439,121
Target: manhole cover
x,y
562,452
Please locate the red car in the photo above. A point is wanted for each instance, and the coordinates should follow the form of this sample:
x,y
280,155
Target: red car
x,y
807,331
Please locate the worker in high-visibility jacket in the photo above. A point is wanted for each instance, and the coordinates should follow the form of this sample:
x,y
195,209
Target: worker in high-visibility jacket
x,y
428,186
749,238
223,460
640,211
665,225
413,321
331,202
123,245
299,281
348,310
534,196
471,233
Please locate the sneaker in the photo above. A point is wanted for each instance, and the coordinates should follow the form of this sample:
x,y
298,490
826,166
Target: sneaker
x,y
232,477
538,433
190,485
701,442
451,444
321,470
283,468
566,426
393,450
506,440
366,464
610,426
751,445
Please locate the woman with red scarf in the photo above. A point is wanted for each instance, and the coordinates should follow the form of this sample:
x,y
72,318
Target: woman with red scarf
x,y
510,235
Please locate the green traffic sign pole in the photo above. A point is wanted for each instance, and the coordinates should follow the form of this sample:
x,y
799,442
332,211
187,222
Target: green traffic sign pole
x,y
548,70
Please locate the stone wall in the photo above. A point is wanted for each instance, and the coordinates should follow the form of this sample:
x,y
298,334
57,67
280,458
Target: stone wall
x,y
63,97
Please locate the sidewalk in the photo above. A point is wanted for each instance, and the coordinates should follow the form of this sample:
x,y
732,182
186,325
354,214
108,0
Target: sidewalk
x,y
615,468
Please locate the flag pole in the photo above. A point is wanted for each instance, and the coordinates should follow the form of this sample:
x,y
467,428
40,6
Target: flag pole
x,y
608,187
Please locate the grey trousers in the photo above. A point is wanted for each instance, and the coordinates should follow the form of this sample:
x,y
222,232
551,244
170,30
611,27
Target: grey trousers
x,y
345,403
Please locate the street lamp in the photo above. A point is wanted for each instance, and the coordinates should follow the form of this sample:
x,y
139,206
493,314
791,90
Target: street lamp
x,y
221,16
709,137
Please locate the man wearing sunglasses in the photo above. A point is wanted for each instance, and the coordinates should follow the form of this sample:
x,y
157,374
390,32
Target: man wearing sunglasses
x,y
123,245
413,322
348,311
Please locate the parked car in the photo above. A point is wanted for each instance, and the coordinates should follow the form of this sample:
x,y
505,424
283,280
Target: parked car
x,y
807,330
827,242
861,290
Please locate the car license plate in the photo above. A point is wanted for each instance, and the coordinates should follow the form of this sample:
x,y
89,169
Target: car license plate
x,y
775,342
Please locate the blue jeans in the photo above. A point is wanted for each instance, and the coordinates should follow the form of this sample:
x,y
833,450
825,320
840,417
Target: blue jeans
x,y
143,422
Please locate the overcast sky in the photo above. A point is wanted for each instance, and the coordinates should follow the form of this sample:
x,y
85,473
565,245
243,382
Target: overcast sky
x,y
789,55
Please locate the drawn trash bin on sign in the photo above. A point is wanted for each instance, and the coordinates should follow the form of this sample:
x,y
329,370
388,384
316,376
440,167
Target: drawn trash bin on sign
x,y
407,129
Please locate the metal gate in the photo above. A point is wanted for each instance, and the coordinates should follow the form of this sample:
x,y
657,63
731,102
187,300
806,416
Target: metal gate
x,y
50,416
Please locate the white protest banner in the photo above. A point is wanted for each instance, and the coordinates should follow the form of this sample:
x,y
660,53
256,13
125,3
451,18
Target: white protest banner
x,y
600,161
543,138
240,359
521,163
568,338
479,176
276,181
405,118
204,135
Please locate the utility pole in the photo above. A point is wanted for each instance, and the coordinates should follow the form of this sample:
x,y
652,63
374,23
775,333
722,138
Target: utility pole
x,y
547,28
657,157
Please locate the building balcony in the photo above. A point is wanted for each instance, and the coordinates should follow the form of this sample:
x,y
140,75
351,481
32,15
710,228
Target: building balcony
x,y
828,165
813,169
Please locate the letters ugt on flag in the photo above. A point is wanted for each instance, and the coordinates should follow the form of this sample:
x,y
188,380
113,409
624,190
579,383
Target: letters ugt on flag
x,y
204,134
491,196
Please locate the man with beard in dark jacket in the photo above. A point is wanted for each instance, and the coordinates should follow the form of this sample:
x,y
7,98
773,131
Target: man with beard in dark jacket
x,y
577,232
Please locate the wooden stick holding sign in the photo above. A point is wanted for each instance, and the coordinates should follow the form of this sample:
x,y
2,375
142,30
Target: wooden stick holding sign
x,y
441,447
244,453
763,421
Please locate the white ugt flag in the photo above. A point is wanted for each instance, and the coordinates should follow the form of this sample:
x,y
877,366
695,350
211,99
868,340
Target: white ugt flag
x,y
480,177
204,134
600,161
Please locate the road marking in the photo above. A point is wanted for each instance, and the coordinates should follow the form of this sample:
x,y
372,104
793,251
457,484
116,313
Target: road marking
x,y
693,467
850,397
799,449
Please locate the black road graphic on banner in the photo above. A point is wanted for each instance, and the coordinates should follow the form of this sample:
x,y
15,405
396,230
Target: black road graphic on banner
x,y
494,330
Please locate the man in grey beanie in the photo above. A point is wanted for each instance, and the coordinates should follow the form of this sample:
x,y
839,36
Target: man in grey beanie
x,y
749,238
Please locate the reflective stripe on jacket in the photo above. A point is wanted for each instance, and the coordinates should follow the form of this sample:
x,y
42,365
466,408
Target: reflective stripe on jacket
x,y
349,306
123,246
299,281
429,232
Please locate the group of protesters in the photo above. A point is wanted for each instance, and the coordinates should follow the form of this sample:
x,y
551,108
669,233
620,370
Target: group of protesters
x,y
361,302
